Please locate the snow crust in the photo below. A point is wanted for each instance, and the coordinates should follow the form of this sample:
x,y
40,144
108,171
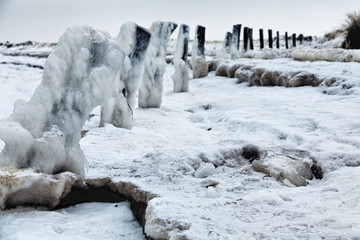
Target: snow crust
x,y
181,75
45,131
83,221
151,89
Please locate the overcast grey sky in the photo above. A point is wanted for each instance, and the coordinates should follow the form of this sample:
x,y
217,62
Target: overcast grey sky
x,y
46,20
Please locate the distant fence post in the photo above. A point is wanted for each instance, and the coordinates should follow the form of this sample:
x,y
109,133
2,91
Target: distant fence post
x,y
251,39
277,39
294,40
245,38
301,38
270,38
261,33
228,38
236,35
286,40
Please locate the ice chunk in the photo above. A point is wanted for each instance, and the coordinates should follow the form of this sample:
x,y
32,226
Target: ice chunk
x,y
181,75
204,170
150,92
45,132
134,40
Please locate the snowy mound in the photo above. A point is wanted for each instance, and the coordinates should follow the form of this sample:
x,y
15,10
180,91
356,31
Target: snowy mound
x,y
45,132
331,55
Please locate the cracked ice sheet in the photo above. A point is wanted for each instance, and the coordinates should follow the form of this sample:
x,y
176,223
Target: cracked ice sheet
x,y
82,221
162,151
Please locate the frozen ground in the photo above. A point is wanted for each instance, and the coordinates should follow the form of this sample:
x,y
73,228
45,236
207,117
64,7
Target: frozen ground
x,y
210,124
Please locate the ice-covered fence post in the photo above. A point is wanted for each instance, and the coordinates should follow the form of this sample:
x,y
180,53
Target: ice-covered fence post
x,y
198,62
181,75
270,38
227,42
245,38
251,39
301,38
294,40
44,132
134,41
150,92
277,39
261,33
236,36
286,40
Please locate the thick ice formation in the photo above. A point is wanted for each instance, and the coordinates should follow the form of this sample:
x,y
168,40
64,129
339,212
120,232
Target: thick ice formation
x,y
134,41
150,92
198,62
181,75
45,132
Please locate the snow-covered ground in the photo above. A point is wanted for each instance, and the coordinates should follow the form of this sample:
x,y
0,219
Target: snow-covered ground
x,y
189,153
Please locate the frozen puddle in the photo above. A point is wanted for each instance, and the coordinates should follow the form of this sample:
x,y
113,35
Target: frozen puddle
x,y
81,221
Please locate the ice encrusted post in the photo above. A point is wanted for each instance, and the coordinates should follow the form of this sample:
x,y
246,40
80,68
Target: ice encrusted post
x,y
227,42
198,62
44,133
181,75
134,41
235,41
150,92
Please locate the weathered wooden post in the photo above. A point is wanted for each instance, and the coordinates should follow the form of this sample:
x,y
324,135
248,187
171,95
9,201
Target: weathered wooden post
x,y
294,40
270,38
236,36
277,39
301,38
227,42
251,38
286,40
261,33
245,38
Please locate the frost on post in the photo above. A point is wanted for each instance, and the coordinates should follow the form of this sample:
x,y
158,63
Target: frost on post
x,y
134,41
181,75
198,62
150,92
44,133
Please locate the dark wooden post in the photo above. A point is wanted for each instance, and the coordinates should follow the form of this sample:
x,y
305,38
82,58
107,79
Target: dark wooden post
x,y
185,29
228,38
251,39
286,40
236,35
270,38
301,38
277,39
200,36
294,40
245,38
261,33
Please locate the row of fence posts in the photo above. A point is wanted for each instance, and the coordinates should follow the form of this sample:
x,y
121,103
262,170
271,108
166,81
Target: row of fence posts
x,y
233,39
